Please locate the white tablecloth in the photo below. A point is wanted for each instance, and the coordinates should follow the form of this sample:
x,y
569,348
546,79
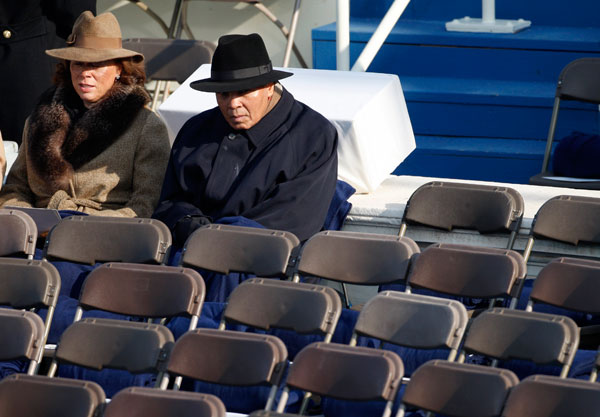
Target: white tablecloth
x,y
368,109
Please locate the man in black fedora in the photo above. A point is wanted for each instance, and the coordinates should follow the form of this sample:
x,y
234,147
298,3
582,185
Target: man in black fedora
x,y
260,158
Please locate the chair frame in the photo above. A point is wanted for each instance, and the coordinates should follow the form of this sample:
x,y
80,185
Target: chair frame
x,y
19,233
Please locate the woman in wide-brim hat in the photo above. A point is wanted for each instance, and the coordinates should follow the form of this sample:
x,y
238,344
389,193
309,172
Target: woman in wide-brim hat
x,y
91,143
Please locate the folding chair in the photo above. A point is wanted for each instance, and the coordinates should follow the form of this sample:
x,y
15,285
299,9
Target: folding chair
x,y
22,337
594,373
549,396
504,334
170,60
40,396
484,208
412,320
578,81
228,357
44,218
568,219
458,389
356,258
469,271
224,249
19,233
345,372
151,402
92,239
28,284
272,304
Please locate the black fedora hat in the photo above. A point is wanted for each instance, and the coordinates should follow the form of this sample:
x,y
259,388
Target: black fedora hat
x,y
240,62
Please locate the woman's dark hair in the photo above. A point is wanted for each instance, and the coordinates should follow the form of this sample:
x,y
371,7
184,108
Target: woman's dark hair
x,y
133,73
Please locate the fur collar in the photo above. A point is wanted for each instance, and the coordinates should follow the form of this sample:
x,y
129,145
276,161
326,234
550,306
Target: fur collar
x,y
63,135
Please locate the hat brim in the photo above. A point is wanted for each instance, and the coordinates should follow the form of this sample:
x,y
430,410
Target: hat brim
x,y
74,53
211,85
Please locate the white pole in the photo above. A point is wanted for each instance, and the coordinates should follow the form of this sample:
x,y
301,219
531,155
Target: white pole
x,y
488,11
381,33
343,35
292,34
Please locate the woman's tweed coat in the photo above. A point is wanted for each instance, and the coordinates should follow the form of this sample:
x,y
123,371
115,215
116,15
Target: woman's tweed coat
x,y
109,160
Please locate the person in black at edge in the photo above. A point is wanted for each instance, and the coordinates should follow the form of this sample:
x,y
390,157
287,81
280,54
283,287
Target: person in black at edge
x,y
260,158
27,29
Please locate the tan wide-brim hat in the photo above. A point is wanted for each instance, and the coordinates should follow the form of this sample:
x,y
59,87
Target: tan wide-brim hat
x,y
94,39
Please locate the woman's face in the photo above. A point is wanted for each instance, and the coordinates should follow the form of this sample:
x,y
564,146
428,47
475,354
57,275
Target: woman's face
x,y
92,80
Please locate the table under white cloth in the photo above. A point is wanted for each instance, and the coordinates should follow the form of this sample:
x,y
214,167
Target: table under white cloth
x,y
368,109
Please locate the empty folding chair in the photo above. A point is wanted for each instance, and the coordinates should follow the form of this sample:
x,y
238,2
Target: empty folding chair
x,y
486,209
577,81
357,258
22,334
151,402
19,233
549,396
458,389
224,249
504,334
571,220
346,373
40,396
469,271
412,320
29,284
44,218
230,358
272,304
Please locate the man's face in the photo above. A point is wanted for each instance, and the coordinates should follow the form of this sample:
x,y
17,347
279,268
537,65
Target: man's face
x,y
244,109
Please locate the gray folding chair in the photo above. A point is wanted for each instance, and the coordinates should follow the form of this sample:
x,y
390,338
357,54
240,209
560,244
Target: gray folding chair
x,y
228,357
224,249
151,402
170,60
272,304
449,205
29,284
577,81
469,271
40,396
22,337
549,396
412,320
356,258
504,334
568,219
92,239
19,233
458,389
368,374
44,218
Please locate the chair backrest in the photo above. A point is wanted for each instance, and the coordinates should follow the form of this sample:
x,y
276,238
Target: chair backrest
x,y
449,205
569,283
28,283
507,334
345,372
357,258
579,81
412,320
458,389
152,402
229,357
171,59
92,239
148,291
44,218
549,396
19,233
468,271
22,337
224,249
98,343
40,396
267,303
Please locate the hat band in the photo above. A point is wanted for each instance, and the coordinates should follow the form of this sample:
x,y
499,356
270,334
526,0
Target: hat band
x,y
241,73
94,42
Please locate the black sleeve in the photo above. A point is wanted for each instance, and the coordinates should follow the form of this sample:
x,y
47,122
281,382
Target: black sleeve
x,y
63,13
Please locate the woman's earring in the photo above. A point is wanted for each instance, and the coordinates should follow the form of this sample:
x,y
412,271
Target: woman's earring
x,y
118,77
